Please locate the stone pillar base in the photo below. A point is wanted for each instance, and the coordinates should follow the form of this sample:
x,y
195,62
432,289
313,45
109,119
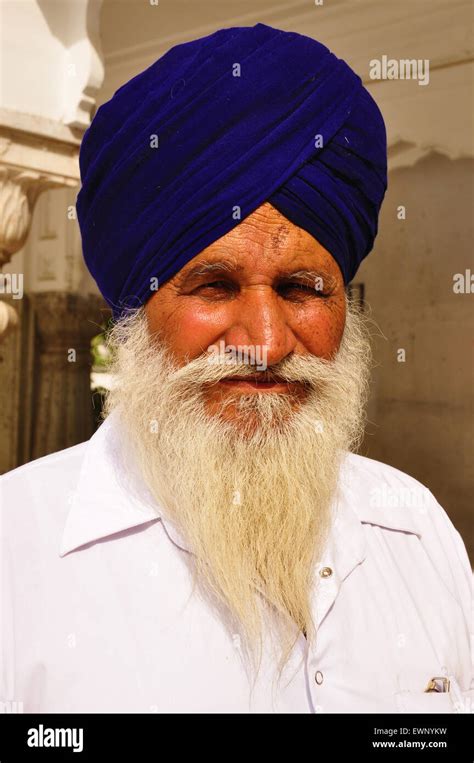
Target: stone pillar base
x,y
63,413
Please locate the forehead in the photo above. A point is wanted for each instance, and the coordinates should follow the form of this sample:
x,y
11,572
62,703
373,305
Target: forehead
x,y
266,242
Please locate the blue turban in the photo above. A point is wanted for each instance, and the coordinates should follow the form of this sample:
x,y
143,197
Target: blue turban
x,y
217,126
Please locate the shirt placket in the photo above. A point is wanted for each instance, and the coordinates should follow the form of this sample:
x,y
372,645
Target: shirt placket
x,y
345,550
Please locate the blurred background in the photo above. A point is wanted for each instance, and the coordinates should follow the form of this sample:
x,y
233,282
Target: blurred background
x,y
62,58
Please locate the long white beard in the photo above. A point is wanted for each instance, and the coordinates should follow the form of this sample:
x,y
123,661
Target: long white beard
x,y
253,502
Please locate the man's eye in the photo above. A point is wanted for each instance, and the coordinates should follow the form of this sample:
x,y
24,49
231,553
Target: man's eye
x,y
299,290
215,286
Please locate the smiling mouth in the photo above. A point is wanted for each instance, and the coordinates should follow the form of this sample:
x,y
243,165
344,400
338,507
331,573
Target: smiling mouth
x,y
257,382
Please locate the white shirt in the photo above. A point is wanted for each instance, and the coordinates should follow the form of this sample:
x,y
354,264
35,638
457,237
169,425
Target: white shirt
x,y
97,612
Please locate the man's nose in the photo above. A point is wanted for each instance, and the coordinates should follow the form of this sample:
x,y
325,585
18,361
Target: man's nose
x,y
258,319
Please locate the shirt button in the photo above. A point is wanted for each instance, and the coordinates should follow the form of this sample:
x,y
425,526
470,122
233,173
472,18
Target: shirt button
x,y
319,678
326,572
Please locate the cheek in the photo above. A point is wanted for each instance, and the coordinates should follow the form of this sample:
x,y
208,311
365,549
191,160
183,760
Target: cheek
x,y
320,330
197,330
189,330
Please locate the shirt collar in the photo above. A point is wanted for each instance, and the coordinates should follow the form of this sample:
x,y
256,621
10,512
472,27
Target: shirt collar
x,y
110,498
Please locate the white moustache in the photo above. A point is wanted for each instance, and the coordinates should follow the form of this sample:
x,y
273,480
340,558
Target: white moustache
x,y
306,369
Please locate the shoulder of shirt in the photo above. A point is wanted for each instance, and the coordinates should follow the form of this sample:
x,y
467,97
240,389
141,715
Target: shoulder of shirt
x,y
385,489
42,484
67,457
414,504
375,472
35,501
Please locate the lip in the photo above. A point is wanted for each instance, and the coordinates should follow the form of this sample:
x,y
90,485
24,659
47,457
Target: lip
x,y
251,382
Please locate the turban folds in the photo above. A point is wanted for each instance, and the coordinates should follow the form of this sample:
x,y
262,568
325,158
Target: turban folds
x,y
214,128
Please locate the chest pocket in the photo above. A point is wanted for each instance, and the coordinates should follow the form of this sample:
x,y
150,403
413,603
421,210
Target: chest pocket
x,y
424,702
454,701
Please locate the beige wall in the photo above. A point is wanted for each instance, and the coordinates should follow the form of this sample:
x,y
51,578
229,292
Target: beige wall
x,y
422,410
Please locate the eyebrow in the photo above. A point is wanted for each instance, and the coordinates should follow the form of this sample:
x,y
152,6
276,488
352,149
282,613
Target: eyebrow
x,y
311,275
206,267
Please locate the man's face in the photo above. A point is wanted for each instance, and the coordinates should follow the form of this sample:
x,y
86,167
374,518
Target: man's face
x,y
266,285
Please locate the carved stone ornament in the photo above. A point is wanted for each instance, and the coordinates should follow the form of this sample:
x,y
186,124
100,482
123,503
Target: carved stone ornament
x,y
18,193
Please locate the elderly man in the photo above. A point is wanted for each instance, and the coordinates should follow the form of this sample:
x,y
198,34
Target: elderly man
x,y
217,546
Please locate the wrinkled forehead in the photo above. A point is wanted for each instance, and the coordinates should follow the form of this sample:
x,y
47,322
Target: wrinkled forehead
x,y
265,245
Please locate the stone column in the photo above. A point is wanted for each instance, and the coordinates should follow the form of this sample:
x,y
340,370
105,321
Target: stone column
x,y
61,399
